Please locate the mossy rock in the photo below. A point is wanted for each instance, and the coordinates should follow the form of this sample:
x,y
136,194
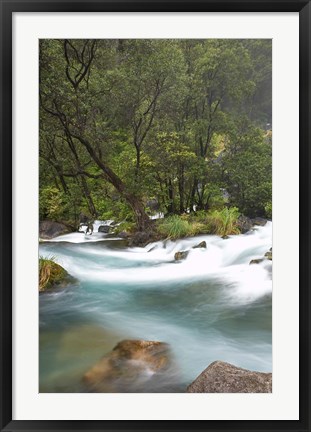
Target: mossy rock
x,y
52,275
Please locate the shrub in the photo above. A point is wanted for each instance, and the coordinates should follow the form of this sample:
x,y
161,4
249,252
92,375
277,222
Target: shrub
x,y
268,210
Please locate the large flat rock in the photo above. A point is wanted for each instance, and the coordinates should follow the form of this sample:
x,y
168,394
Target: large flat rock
x,y
50,229
221,377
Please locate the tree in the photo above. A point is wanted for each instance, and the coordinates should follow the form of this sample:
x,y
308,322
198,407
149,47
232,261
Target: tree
x,y
246,166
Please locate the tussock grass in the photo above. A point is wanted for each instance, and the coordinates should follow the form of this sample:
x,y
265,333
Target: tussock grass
x,y
175,227
220,222
223,222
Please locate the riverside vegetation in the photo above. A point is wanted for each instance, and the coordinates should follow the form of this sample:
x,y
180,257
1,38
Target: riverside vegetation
x,y
171,140
129,128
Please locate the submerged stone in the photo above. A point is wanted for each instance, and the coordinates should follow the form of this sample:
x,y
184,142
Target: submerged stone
x,y
130,364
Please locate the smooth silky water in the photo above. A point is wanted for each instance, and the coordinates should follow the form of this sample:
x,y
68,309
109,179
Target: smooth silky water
x,y
211,306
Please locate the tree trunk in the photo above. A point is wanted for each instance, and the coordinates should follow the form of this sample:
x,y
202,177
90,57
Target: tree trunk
x,y
84,184
88,197
142,219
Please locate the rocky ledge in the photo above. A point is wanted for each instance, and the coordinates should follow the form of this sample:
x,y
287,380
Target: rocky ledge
x,y
221,377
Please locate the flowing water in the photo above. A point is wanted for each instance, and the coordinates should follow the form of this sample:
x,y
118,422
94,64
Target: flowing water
x,y
211,306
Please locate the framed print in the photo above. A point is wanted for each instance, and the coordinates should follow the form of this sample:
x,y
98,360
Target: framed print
x,y
155,215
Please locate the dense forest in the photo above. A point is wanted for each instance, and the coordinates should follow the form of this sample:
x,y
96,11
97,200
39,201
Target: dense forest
x,y
129,128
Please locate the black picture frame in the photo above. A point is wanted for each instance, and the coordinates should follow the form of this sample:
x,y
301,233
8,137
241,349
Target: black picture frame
x,y
7,9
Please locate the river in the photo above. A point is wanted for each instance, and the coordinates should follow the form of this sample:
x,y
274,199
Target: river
x,y
211,306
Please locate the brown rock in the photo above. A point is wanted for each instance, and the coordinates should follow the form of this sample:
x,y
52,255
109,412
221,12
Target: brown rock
x,y
181,255
200,245
221,377
256,261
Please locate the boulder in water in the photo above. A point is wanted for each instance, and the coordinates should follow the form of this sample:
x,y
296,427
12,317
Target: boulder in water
x,y
181,255
104,229
259,221
221,377
129,364
49,229
200,245
267,256
256,261
141,238
244,224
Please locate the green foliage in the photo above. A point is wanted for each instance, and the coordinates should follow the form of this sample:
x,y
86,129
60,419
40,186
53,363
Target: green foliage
x,y
124,226
247,170
51,203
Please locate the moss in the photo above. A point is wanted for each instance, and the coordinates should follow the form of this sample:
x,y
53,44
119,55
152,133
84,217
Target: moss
x,y
51,274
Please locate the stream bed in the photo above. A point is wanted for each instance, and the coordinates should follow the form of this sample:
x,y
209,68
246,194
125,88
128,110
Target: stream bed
x,y
211,306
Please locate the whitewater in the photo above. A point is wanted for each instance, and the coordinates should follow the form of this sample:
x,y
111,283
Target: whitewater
x,y
211,306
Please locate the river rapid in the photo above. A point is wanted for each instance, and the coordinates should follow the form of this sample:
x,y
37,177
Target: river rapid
x,y
211,306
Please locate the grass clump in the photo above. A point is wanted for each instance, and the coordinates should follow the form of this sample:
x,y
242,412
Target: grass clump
x,y
50,273
223,222
175,227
